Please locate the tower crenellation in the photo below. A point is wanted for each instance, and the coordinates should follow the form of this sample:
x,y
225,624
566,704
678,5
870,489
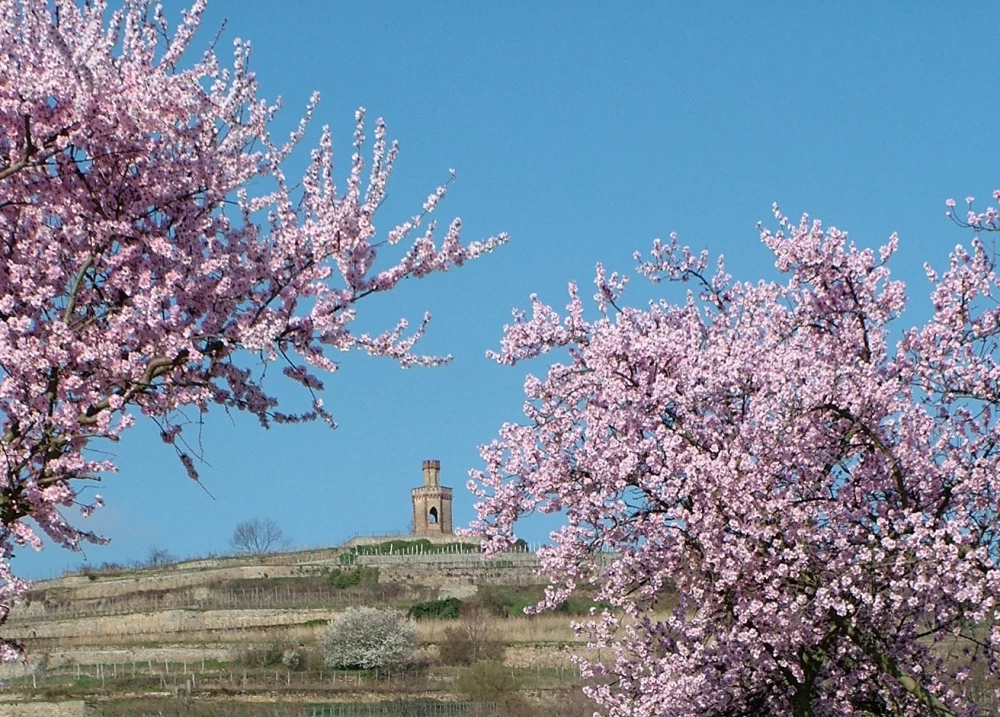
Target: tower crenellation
x,y
432,474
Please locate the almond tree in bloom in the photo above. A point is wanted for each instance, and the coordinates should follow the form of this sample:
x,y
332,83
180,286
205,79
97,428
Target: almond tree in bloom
x,y
789,499
154,257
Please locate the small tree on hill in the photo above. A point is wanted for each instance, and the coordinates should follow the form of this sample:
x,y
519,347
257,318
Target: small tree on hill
x,y
158,557
471,639
258,536
368,638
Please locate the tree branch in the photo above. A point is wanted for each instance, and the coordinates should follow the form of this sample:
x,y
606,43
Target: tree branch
x,y
885,663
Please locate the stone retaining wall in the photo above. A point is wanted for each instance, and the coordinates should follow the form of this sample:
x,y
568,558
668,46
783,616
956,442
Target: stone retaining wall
x,y
39,661
83,588
164,623
76,708
455,574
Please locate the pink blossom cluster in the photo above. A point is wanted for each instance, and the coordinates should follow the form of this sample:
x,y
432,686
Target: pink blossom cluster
x,y
988,219
789,501
149,236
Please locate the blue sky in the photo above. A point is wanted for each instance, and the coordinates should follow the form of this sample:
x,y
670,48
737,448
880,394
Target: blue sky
x,y
584,130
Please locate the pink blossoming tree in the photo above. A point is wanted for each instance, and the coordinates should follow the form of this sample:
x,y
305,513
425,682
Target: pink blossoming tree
x,y
153,255
790,500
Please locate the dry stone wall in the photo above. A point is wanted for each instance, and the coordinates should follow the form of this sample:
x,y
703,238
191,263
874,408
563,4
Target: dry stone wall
x,y
455,574
164,623
83,588
76,708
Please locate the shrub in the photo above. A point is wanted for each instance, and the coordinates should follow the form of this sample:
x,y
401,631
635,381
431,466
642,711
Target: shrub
x,y
471,640
291,659
461,648
580,605
269,655
508,602
486,682
367,638
446,609
349,578
420,544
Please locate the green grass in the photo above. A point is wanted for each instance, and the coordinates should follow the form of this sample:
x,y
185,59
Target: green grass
x,y
213,665
510,601
344,579
85,682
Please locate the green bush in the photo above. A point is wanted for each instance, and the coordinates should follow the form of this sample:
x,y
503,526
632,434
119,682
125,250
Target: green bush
x,y
398,546
508,601
446,609
349,578
580,605
344,578
420,544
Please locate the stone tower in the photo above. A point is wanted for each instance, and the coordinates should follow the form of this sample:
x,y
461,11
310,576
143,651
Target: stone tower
x,y
432,503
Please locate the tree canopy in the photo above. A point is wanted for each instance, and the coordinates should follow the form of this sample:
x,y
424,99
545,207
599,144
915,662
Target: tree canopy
x,y
812,485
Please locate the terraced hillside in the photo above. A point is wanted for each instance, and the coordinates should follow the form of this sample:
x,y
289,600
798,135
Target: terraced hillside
x,y
238,636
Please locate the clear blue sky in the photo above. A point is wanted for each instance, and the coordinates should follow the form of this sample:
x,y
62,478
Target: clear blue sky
x,y
584,130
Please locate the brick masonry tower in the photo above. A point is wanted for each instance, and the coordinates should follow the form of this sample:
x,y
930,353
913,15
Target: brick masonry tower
x,y
432,503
